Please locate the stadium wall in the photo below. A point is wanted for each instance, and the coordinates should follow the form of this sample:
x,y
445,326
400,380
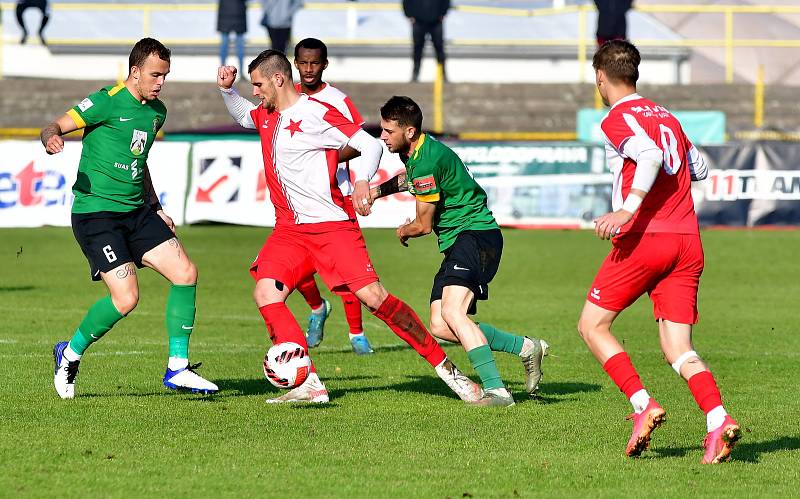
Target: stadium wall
x,y
530,185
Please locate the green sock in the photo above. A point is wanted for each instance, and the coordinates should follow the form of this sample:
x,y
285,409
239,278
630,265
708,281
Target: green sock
x,y
180,318
501,341
98,320
483,362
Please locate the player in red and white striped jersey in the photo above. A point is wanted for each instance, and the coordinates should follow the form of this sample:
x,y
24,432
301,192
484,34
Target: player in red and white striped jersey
x,y
315,230
310,60
656,250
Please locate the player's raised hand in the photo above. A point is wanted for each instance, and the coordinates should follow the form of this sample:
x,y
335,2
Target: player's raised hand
x,y
226,75
167,220
402,237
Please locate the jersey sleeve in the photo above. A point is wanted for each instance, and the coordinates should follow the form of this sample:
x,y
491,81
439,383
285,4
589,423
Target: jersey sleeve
x,y
336,128
626,135
357,118
424,183
92,110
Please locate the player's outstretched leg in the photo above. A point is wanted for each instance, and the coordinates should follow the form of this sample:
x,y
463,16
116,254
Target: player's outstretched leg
x,y
67,355
320,310
531,352
405,323
179,319
352,311
282,327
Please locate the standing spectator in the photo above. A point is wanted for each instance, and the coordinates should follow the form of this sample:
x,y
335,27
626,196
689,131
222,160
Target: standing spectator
x,y
278,16
232,17
426,18
611,24
23,5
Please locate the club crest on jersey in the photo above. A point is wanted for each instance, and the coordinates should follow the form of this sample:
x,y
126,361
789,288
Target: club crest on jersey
x,y
138,141
424,184
294,126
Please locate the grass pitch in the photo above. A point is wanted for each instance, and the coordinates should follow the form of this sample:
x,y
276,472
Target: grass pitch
x,y
392,428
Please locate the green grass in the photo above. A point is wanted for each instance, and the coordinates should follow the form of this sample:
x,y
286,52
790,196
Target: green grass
x,y
392,428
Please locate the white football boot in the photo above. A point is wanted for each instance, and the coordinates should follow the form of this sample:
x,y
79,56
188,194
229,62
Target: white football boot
x,y
466,389
65,372
532,354
311,391
187,379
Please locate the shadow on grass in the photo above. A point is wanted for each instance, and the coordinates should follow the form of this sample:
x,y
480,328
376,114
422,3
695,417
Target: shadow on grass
x,y
13,289
748,452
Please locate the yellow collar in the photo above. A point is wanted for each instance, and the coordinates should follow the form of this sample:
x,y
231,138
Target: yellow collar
x,y
419,145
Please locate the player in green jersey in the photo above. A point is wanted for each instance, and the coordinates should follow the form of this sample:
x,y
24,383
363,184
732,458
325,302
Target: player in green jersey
x,y
450,203
117,218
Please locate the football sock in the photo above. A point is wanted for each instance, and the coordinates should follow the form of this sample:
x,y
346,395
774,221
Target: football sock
x,y
308,288
621,371
639,401
706,394
282,326
501,341
98,320
352,311
353,335
715,418
176,363
405,323
483,362
180,318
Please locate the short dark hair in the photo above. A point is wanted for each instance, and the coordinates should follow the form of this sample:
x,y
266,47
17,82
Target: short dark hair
x,y
270,62
619,59
404,111
311,44
144,48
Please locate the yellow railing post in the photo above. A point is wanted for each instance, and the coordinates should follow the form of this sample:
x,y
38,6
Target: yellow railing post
x,y
146,9
729,45
438,99
582,44
2,49
758,99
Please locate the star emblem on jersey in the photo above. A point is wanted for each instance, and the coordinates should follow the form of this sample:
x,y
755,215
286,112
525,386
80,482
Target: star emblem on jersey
x,y
294,126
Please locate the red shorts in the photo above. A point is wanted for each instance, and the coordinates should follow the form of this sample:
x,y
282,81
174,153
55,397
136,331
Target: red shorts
x,y
666,266
336,250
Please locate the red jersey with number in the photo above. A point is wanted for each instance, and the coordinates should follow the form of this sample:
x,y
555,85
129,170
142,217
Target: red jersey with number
x,y
300,147
633,125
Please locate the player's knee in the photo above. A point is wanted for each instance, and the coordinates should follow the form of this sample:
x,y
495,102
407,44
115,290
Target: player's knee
x,y
125,301
188,274
453,315
439,328
586,328
372,295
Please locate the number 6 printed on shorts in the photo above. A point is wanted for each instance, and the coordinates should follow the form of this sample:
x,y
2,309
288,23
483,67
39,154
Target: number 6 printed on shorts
x,y
109,252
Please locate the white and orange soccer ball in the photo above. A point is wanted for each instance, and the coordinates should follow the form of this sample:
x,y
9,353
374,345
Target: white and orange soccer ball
x,y
287,365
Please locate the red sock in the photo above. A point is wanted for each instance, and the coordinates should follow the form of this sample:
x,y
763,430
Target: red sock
x,y
308,288
282,326
352,310
621,371
705,391
405,323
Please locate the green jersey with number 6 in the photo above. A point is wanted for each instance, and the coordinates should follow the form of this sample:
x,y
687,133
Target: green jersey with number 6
x,y
437,175
119,131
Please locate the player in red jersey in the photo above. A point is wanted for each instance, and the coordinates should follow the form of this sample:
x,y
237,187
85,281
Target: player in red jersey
x,y
656,249
311,59
314,228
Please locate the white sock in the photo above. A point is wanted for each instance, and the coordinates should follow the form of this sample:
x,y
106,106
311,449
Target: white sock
x,y
71,355
319,310
176,363
527,344
715,418
639,401
353,335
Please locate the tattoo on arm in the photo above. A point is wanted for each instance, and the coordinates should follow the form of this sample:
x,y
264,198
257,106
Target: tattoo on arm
x,y
127,270
391,186
48,131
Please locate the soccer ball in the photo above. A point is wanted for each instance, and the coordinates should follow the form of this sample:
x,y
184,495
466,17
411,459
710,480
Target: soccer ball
x,y
287,365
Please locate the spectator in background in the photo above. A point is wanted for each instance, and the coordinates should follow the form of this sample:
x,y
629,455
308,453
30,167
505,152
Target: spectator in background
x,y
22,6
611,24
278,16
426,18
232,17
